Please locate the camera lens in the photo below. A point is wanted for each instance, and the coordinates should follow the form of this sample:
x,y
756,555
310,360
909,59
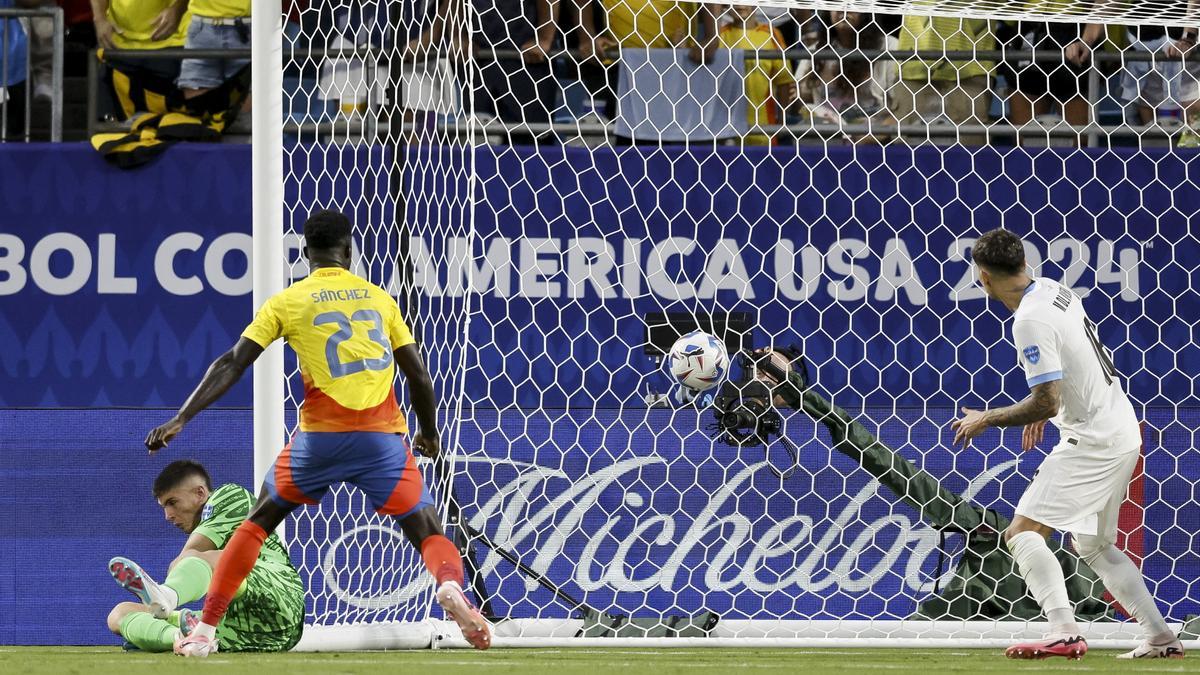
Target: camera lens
x,y
731,420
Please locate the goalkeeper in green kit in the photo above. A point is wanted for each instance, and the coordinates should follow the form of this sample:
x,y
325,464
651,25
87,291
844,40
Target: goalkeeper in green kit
x,y
985,583
266,615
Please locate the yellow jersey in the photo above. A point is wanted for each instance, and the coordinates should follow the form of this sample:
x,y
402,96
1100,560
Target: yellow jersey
x,y
135,21
343,329
940,34
656,24
763,76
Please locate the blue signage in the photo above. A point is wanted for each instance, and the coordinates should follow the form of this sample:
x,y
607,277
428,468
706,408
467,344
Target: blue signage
x,y
857,255
120,287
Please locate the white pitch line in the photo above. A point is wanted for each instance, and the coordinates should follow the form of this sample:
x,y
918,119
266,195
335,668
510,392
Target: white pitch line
x,y
610,664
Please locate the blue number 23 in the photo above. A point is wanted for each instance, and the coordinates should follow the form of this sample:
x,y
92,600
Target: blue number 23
x,y
345,330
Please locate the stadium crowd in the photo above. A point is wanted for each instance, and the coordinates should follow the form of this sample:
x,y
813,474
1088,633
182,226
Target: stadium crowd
x,y
541,63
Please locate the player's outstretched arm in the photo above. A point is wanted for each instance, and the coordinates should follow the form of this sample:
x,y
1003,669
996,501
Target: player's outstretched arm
x,y
1041,404
424,402
197,543
221,375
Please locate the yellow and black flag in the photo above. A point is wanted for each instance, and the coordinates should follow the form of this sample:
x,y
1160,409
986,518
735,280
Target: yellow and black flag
x,y
160,115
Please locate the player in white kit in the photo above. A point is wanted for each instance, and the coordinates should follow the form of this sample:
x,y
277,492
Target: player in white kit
x,y
1081,484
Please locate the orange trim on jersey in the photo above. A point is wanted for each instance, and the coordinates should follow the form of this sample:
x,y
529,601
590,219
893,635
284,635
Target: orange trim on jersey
x,y
284,486
407,491
322,413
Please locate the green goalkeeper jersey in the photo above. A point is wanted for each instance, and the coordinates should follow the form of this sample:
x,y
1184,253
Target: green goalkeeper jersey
x,y
227,508
267,614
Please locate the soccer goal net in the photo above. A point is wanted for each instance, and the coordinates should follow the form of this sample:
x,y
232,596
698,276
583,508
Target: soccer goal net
x,y
552,189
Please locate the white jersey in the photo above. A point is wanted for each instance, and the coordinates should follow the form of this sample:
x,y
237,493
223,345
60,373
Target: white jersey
x,y
1056,340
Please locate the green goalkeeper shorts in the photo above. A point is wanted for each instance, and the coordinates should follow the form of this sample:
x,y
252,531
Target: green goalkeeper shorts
x,y
268,616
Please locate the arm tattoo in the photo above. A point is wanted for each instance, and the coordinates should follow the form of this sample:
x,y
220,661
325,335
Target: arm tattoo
x,y
1041,404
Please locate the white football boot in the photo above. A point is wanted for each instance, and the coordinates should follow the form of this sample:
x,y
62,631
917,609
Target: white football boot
x,y
130,576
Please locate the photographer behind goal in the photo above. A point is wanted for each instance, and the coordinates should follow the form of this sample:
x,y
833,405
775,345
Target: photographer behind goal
x,y
985,584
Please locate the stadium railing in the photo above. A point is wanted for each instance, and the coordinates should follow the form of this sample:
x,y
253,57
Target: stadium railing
x,y
56,84
1001,128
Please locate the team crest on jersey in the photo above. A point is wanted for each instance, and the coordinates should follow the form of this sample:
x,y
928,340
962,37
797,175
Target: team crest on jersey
x,y
1032,354
206,512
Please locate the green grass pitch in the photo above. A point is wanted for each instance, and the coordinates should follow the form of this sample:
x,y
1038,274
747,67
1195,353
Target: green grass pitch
x,y
586,661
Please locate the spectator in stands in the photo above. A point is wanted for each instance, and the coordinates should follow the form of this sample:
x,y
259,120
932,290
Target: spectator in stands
x,y
215,24
12,79
885,71
1165,82
422,84
41,49
137,24
811,85
78,39
607,25
770,84
941,91
1189,87
806,27
853,31
648,24
779,18
1037,87
849,88
350,84
829,91
517,89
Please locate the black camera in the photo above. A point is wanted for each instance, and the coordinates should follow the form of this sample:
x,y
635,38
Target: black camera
x,y
745,411
745,415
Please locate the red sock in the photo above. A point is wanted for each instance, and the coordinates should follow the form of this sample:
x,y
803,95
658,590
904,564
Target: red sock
x,y
236,562
442,559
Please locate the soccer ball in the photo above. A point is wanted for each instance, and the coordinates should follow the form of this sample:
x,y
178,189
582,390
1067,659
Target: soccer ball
x,y
698,360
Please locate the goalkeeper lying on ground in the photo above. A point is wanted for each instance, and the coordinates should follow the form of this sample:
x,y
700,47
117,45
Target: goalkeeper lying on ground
x,y
985,584
266,615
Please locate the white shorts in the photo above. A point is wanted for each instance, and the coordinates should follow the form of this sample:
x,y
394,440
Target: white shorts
x,y
431,86
1079,489
1165,82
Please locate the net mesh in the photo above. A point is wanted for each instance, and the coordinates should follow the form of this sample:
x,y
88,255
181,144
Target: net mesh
x,y
1155,12
531,182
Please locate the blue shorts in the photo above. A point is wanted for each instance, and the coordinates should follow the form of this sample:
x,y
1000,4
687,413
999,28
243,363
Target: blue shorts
x,y
379,464
212,73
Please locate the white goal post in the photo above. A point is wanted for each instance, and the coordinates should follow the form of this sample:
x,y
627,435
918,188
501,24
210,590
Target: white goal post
x,y
817,181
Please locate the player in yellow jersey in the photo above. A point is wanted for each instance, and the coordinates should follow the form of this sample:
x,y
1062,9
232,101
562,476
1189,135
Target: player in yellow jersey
x,y
349,338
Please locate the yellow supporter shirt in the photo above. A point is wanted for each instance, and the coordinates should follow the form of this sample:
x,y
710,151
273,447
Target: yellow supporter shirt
x,y
343,329
763,76
656,24
944,33
220,9
134,21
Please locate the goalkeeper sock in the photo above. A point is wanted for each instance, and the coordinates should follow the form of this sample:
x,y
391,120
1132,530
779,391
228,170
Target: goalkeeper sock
x,y
1045,579
235,565
442,559
148,633
1124,580
189,579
